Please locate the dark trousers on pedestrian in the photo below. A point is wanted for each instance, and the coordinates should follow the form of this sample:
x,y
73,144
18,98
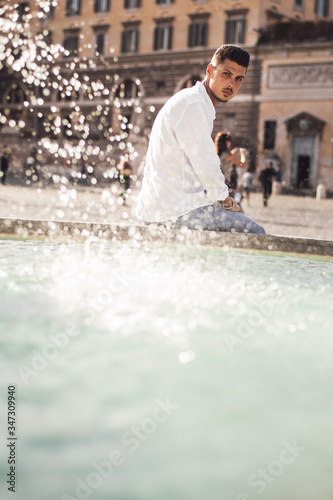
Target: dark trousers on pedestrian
x,y
4,175
267,191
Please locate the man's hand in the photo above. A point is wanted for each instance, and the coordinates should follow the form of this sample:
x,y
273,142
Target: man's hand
x,y
230,204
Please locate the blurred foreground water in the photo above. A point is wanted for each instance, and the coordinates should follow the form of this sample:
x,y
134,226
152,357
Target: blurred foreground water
x,y
161,373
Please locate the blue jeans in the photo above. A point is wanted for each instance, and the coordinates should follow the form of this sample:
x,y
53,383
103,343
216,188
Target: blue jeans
x,y
216,218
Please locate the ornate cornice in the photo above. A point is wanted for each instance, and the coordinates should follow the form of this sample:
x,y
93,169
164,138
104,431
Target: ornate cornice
x,y
317,75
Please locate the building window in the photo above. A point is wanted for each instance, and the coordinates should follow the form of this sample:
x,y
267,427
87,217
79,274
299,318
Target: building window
x,y
163,34
128,89
47,11
67,126
67,94
322,8
16,95
130,37
73,7
99,44
197,31
235,31
298,3
126,94
71,44
101,5
48,37
163,37
269,134
132,4
163,2
22,11
100,35
235,26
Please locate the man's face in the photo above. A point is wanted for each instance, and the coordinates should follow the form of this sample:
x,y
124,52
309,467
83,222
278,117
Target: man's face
x,y
224,81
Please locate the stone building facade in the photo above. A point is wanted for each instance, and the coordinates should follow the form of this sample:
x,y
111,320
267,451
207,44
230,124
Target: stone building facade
x,y
123,59
296,109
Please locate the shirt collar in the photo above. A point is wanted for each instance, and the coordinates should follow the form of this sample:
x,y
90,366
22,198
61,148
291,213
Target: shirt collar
x,y
208,101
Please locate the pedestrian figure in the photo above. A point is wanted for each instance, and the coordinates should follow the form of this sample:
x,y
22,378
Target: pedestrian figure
x,y
266,180
278,173
83,176
246,183
223,145
230,161
234,180
125,176
84,170
277,183
4,162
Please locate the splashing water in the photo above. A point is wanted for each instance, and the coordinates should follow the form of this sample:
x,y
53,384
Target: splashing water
x,y
166,373
56,90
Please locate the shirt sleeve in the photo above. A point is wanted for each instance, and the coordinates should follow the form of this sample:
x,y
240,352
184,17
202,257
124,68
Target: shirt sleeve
x,y
193,133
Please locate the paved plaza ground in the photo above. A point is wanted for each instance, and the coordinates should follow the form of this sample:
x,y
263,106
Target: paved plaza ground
x,y
286,215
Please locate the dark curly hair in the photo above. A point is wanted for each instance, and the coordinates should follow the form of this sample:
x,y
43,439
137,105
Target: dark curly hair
x,y
220,142
232,52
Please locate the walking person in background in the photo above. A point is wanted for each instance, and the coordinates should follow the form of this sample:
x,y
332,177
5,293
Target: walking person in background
x,y
278,173
4,163
222,146
246,183
125,175
228,161
232,163
277,183
233,181
266,180
83,171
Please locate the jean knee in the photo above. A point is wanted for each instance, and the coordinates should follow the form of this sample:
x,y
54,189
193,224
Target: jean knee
x,y
260,229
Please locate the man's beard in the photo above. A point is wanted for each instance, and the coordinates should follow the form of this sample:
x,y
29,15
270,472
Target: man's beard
x,y
217,98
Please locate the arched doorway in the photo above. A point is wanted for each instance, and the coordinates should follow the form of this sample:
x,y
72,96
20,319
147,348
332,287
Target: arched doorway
x,y
304,132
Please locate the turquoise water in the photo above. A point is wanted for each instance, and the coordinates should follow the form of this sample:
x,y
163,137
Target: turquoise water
x,y
166,373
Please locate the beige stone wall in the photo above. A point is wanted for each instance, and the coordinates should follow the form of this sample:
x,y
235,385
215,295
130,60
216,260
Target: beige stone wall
x,y
289,11
146,15
284,8
296,80
259,13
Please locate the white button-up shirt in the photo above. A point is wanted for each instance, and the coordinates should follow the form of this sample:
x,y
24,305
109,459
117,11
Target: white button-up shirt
x,y
182,170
